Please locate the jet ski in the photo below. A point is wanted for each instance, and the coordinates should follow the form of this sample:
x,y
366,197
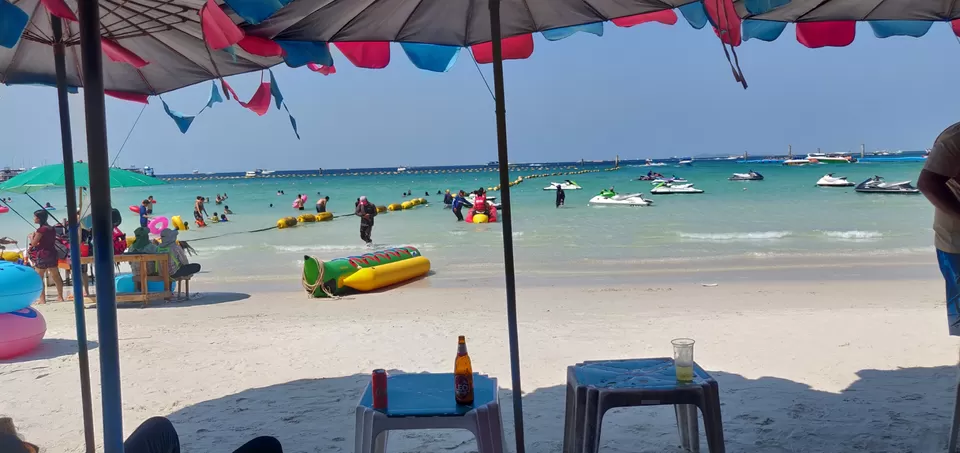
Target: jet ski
x,y
670,180
666,189
566,185
609,197
491,201
828,180
751,176
876,184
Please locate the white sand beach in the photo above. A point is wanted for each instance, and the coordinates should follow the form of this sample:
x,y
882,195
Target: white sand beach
x,y
803,366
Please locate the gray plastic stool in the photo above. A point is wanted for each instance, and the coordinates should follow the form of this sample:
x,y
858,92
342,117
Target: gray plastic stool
x,y
595,387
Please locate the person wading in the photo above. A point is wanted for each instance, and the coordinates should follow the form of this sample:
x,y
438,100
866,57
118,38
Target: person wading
x,y
366,211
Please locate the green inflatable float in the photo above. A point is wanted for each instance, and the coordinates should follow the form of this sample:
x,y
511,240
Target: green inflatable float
x,y
326,278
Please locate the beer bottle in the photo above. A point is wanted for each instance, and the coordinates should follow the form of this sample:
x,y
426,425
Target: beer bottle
x,y
463,374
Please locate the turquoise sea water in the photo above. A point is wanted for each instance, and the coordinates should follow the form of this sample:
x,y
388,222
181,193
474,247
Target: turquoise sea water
x,y
785,215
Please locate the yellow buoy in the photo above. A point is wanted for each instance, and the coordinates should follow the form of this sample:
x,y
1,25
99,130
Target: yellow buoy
x,y
480,218
286,222
371,278
381,209
324,216
406,205
306,218
394,207
422,200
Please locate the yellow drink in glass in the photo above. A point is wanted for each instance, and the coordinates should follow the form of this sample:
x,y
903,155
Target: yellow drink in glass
x,y
683,359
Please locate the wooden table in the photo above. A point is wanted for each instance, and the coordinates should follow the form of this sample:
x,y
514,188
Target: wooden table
x,y
144,295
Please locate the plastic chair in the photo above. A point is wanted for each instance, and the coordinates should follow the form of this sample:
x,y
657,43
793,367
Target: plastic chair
x,y
426,401
595,387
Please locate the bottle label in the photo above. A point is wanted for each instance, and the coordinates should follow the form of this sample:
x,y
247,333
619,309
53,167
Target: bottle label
x,y
462,386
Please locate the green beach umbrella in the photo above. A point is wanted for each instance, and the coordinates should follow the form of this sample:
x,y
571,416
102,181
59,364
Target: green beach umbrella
x,y
53,176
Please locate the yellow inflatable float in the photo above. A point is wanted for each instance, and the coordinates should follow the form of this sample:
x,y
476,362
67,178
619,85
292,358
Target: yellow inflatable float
x,y
324,216
394,207
178,223
306,218
371,278
10,256
381,209
407,205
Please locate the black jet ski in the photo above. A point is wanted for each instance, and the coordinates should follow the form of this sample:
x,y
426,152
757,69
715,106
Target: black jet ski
x,y
876,184
751,176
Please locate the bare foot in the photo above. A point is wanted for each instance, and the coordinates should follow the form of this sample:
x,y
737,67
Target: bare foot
x,y
60,299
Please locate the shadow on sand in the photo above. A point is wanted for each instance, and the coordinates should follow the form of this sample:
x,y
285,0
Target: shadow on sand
x,y
51,348
196,299
883,411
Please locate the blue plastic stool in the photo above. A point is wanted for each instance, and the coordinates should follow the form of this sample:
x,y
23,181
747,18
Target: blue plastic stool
x,y
426,401
597,386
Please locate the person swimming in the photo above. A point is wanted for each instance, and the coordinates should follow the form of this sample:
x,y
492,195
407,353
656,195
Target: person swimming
x,y
226,210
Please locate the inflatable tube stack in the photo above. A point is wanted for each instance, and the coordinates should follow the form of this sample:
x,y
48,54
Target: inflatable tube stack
x,y
362,273
21,327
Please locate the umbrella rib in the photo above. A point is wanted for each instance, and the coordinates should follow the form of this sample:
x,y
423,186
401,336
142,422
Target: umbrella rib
x,y
115,34
532,19
396,38
812,9
370,3
466,25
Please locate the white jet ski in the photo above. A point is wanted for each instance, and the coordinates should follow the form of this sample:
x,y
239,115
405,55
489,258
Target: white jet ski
x,y
566,185
670,180
666,189
876,184
751,176
491,201
829,180
608,197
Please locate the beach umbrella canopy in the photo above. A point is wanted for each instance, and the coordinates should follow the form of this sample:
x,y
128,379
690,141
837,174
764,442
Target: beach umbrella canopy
x,y
846,10
152,46
54,176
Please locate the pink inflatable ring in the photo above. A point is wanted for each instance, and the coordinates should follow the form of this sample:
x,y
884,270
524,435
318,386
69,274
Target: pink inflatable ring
x,y
158,224
20,332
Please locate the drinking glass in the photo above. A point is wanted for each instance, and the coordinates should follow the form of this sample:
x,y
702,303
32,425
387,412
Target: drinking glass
x,y
683,358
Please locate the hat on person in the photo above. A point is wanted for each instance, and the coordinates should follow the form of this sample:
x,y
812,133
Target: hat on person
x,y
168,237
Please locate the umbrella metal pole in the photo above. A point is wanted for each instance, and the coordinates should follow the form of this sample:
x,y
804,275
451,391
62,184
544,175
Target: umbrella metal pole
x,y
507,222
66,138
95,111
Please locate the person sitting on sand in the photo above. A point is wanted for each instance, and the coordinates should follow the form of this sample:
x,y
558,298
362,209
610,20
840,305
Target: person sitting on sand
x,y
156,435
226,210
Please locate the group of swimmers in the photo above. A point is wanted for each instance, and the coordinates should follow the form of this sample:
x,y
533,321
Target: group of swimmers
x,y
199,211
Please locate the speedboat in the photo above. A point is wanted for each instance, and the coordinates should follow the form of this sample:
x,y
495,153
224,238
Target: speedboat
x,y
837,158
752,176
566,185
609,197
650,163
670,180
685,162
828,180
666,189
797,162
876,184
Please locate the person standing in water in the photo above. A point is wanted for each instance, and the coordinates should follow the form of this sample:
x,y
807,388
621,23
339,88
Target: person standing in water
x,y
366,211
150,206
198,210
458,204
322,204
144,210
561,196
447,199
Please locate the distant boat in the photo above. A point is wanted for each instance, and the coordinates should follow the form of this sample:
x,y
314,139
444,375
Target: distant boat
x,y
266,172
196,172
797,162
399,169
650,163
830,158
686,162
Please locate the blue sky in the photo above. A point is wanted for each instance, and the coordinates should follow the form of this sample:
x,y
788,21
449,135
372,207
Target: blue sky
x,y
646,91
